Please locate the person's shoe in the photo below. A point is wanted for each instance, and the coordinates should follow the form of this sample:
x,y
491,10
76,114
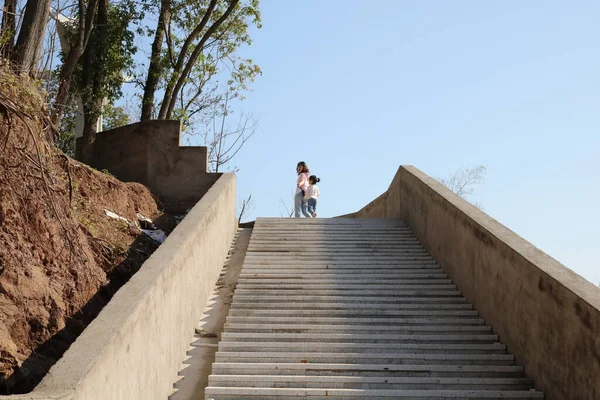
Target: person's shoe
x,y
314,215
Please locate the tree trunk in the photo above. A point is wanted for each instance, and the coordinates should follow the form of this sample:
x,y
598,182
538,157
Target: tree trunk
x,y
8,30
31,36
90,118
93,94
155,69
64,84
84,29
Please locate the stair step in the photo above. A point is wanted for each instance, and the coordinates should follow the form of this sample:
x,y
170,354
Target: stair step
x,y
307,328
348,264
398,236
342,239
361,382
325,282
343,278
354,337
366,358
450,308
383,370
344,247
341,256
328,271
218,393
496,348
342,285
306,299
333,248
315,240
370,232
339,253
362,292
352,313
389,321
359,235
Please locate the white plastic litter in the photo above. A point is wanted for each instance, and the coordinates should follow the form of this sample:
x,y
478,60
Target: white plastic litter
x,y
145,222
140,216
155,234
117,216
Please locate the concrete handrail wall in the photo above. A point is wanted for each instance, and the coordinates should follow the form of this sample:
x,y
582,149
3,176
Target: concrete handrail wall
x,y
133,350
548,316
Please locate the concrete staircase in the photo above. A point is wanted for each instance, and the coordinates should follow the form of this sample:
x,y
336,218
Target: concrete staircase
x,y
354,309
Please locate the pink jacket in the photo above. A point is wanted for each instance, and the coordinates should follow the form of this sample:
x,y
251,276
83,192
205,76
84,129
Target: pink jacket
x,y
303,180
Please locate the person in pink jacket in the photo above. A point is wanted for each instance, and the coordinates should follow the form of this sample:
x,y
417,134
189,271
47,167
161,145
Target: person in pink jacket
x,y
301,186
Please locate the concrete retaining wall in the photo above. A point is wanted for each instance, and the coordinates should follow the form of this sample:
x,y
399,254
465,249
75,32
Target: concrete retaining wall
x,y
548,316
148,152
134,348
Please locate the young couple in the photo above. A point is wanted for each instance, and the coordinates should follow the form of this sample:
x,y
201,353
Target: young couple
x,y
307,192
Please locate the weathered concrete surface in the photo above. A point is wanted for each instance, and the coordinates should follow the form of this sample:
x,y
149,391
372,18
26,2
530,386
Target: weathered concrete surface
x,y
547,314
193,378
148,152
134,348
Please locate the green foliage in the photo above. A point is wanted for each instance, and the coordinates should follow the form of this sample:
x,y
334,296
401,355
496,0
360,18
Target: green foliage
x,y
114,117
218,69
66,141
108,67
117,60
229,38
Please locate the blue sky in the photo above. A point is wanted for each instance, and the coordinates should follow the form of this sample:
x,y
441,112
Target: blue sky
x,y
357,88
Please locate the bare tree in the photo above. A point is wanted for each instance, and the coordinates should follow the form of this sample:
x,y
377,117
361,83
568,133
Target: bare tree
x,y
462,181
245,207
225,142
286,212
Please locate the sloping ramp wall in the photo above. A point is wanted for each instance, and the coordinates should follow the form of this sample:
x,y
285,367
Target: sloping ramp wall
x,y
134,348
547,314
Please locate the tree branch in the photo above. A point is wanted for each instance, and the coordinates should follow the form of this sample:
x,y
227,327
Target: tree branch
x,y
195,54
169,91
245,208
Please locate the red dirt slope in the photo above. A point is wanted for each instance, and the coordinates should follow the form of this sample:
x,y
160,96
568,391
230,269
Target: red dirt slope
x,y
61,257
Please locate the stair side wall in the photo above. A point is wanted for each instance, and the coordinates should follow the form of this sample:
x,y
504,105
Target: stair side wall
x,y
133,350
547,314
